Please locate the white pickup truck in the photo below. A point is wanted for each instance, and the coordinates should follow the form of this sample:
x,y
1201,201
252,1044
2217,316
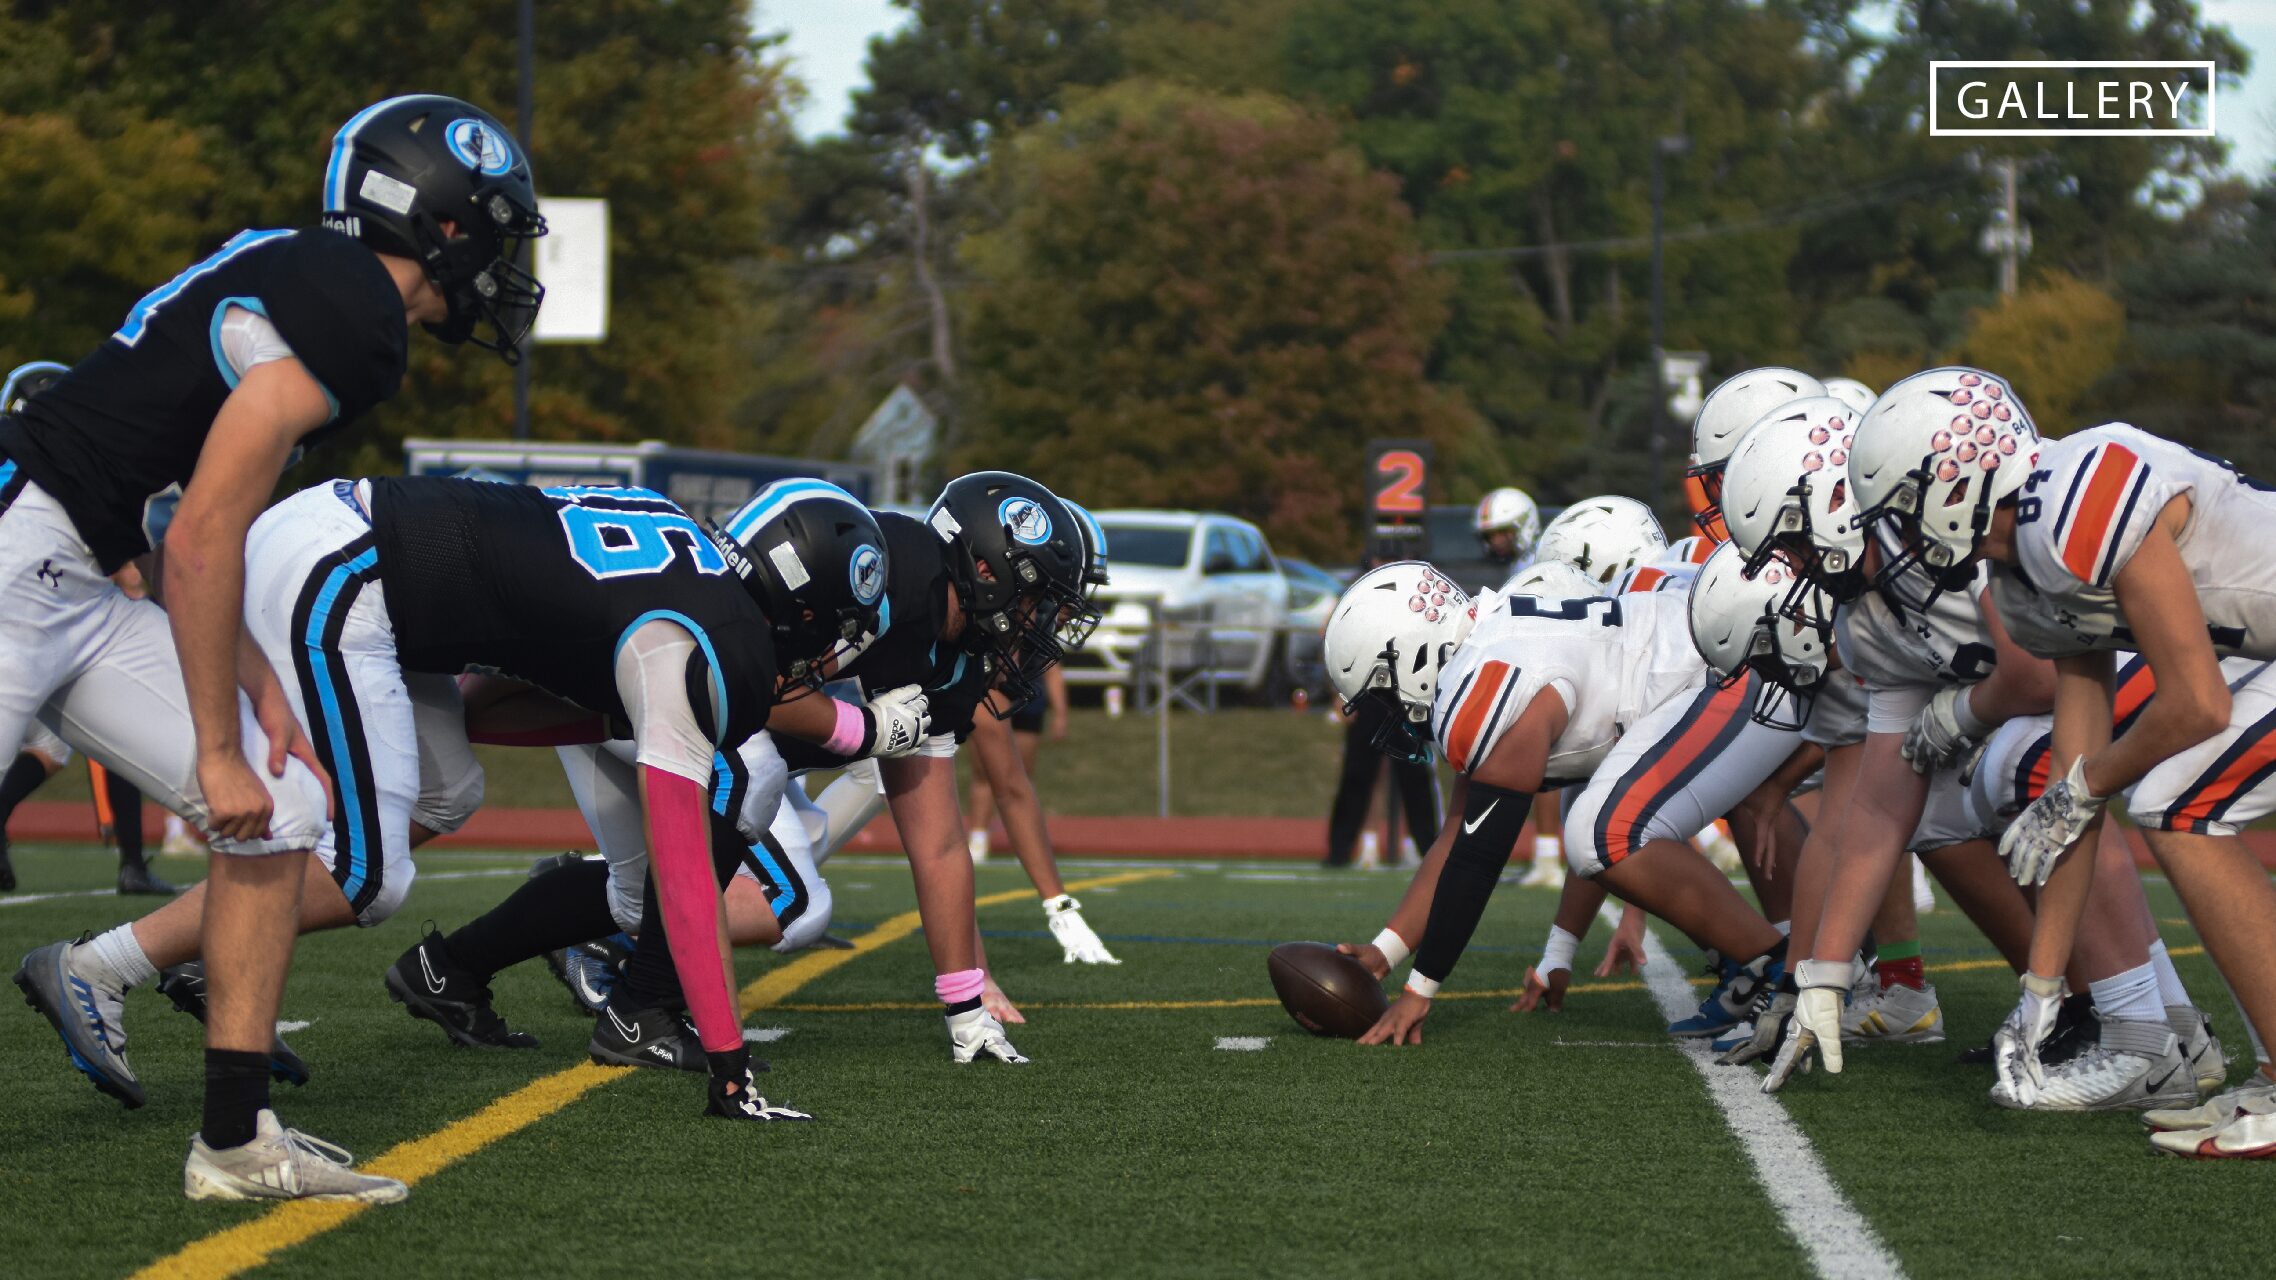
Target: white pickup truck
x,y
1202,567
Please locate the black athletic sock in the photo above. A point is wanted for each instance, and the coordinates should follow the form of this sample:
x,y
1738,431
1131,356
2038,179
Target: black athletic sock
x,y
650,981
236,1092
24,777
561,908
126,817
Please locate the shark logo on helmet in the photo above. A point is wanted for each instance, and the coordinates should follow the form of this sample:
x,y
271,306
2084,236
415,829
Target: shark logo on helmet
x,y
479,147
868,570
1029,524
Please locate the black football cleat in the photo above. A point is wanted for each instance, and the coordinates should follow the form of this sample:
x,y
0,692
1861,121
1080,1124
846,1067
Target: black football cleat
x,y
136,878
625,1037
428,985
184,985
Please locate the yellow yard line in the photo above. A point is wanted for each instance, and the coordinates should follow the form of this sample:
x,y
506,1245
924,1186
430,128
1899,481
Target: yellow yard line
x,y
251,1244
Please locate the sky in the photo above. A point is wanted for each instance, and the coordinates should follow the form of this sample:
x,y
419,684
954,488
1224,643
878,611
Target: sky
x,y
829,38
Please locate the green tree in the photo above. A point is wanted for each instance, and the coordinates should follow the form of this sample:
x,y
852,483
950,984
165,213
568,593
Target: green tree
x,y
2055,341
1201,300
671,109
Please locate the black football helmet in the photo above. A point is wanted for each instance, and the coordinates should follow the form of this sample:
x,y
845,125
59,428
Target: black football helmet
x,y
1018,563
28,380
814,558
403,167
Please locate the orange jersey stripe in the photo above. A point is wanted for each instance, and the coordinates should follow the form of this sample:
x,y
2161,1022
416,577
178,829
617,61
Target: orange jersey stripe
x,y
2082,547
1469,723
1646,579
1677,756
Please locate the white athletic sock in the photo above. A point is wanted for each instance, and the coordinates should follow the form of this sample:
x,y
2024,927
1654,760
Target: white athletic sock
x,y
1785,928
1547,848
1559,952
117,951
2169,988
2131,996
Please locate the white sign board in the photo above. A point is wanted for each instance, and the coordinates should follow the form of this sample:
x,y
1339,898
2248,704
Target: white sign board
x,y
573,265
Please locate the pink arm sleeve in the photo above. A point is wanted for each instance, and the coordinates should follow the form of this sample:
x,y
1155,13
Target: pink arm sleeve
x,y
680,854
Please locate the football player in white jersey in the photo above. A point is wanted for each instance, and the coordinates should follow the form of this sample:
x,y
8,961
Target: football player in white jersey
x,y
1522,694
1508,524
2111,538
1736,403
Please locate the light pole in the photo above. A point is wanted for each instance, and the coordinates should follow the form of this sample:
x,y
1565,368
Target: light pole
x,y
1668,145
526,20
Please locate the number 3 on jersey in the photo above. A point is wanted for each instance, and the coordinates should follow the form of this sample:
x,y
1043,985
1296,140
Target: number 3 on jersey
x,y
1605,609
619,533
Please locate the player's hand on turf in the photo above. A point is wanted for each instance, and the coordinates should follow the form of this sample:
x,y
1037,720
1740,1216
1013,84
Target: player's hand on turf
x,y
1540,994
1401,1023
975,1034
1076,937
2015,1046
1369,956
1771,1011
237,806
899,720
1625,953
1941,731
1816,1023
2050,826
999,1005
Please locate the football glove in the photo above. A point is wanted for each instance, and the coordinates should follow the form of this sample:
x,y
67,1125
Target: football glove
x,y
2042,833
1771,1011
2015,1046
1942,731
1082,945
1816,1023
973,1034
735,1096
898,721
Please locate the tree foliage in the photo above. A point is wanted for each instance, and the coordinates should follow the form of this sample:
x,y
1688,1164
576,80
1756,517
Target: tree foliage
x,y
2055,341
1200,300
178,122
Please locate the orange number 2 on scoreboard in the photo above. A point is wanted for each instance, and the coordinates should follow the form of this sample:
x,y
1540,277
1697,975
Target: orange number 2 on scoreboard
x,y
1403,495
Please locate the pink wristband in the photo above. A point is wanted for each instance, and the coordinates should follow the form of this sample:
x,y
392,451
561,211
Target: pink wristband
x,y
963,985
845,739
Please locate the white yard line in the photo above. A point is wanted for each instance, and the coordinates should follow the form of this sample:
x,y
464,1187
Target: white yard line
x,y
764,1035
1837,1238
1243,1044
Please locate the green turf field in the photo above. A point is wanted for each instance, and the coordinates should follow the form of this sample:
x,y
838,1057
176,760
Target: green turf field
x,y
1579,1143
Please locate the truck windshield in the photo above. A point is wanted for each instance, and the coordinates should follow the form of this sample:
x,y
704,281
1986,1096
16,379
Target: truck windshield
x,y
1155,546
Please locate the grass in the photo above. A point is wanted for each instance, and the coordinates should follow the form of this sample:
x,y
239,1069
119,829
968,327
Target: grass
x,y
1543,1145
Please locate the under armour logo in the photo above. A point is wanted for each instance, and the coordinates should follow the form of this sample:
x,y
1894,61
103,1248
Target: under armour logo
x,y
48,574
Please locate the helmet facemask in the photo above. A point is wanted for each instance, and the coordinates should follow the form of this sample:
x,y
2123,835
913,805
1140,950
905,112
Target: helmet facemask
x,y
1405,732
481,274
1916,570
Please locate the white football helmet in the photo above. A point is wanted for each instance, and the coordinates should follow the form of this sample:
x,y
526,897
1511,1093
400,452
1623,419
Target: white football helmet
x,y
1512,510
1602,537
1552,580
1388,638
1933,456
1853,393
1771,625
1786,492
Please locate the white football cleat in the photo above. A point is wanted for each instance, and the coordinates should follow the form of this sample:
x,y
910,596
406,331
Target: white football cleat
x,y
2249,1136
1896,1014
2134,1066
281,1164
2257,1097
1076,937
1547,873
2199,1045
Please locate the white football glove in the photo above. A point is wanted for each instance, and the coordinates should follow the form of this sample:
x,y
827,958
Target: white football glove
x,y
2042,833
2015,1046
973,1034
1082,945
899,719
1771,1011
1816,1023
1942,731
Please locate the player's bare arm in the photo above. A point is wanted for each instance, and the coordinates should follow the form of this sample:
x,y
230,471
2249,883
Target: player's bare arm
x,y
275,405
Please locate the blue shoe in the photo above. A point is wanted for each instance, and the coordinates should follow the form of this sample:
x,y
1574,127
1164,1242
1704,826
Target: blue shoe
x,y
1732,1037
1719,1011
591,970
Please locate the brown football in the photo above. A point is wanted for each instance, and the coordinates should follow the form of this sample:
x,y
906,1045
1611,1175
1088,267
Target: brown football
x,y
1326,991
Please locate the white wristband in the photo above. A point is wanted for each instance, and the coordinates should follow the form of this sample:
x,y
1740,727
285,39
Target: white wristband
x,y
1559,951
1394,948
1964,715
1427,988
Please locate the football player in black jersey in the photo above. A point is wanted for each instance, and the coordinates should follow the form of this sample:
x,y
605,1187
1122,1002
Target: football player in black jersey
x,y
279,339
984,593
